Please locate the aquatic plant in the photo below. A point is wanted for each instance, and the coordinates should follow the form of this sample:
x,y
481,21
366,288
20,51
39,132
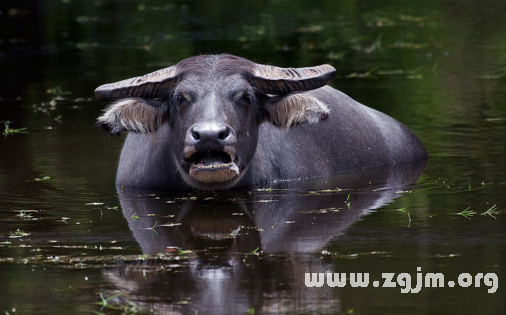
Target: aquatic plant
x,y
467,213
491,211
8,131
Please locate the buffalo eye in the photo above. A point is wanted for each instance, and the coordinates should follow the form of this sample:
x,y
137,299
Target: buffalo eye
x,y
178,99
247,98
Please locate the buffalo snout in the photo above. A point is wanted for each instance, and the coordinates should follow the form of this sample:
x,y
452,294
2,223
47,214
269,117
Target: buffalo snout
x,y
210,136
210,153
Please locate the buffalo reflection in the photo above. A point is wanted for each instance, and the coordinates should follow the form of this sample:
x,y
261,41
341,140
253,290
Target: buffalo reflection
x,y
287,223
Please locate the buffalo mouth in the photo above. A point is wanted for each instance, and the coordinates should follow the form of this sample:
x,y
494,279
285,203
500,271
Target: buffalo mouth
x,y
212,167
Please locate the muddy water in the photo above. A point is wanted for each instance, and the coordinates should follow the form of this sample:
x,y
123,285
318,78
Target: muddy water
x,y
70,242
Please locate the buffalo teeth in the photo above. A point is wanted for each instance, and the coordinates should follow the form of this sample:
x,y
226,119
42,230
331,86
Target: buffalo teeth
x,y
224,166
215,166
213,174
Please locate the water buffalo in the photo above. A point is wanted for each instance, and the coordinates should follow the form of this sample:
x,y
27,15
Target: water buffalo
x,y
221,121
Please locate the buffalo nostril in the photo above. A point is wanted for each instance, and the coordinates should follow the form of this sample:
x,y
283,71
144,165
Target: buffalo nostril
x,y
224,134
195,135
208,133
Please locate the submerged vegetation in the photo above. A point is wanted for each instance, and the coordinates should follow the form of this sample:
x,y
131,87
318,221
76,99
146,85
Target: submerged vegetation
x,y
492,211
114,303
468,213
409,216
18,234
8,131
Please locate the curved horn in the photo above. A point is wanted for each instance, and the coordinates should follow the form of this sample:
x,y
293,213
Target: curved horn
x,y
148,86
281,81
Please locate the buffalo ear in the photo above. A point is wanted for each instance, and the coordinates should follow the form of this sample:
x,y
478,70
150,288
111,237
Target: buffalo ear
x,y
295,109
133,115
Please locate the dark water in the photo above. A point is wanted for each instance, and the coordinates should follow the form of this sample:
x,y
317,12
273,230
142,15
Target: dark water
x,y
69,240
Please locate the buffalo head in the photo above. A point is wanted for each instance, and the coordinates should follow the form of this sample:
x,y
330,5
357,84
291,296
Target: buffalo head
x,y
213,105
